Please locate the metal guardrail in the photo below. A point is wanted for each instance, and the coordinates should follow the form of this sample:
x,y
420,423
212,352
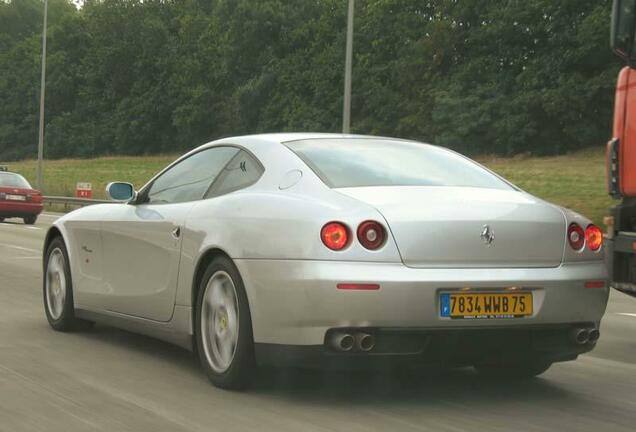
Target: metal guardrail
x,y
72,201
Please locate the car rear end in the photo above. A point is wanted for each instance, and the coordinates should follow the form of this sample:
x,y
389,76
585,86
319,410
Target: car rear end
x,y
17,198
451,272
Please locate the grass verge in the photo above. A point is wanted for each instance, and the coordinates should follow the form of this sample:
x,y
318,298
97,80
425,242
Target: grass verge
x,y
576,181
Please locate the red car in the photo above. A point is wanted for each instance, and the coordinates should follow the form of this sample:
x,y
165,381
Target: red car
x,y
18,199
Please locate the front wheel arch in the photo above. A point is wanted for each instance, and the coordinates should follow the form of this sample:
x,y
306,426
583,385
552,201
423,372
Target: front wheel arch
x,y
52,233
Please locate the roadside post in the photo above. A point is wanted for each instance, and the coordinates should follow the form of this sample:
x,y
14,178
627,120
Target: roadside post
x,y
40,180
346,109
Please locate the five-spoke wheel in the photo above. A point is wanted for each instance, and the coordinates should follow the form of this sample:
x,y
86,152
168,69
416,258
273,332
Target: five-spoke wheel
x,y
223,326
55,283
219,321
58,289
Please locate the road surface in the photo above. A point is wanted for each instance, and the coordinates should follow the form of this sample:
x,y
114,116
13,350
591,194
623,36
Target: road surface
x,y
111,380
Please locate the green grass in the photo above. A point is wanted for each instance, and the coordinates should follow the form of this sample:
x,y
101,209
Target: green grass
x,y
61,176
576,181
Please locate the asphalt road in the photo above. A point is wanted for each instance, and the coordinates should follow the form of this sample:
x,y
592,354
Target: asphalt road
x,y
110,380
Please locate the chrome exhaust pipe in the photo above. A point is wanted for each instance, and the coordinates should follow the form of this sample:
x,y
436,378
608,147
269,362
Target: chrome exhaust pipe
x,y
341,341
580,336
365,342
593,336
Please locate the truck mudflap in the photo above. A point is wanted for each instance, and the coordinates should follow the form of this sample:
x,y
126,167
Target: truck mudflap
x,y
625,287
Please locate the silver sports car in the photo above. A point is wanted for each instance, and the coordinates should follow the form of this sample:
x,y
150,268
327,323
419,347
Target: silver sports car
x,y
317,249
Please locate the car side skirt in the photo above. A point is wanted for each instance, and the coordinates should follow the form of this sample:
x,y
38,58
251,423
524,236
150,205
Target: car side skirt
x,y
177,331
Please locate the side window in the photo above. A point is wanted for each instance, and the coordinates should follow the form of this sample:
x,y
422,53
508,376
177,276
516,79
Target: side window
x,y
242,171
190,179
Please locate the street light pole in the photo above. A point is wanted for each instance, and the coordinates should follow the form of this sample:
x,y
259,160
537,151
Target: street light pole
x,y
346,111
42,88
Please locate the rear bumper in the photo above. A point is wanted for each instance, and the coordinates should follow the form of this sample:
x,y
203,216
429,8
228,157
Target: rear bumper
x,y
19,209
295,302
437,347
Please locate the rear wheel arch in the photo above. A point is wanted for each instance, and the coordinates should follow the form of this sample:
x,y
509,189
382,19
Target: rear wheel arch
x,y
202,265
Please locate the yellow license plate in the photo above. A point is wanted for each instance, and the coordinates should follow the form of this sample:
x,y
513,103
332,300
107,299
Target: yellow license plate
x,y
485,305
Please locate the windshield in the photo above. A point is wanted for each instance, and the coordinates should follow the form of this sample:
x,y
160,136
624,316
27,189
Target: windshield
x,y
13,180
355,162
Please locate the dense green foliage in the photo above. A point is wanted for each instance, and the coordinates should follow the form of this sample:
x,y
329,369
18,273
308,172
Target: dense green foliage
x,y
157,76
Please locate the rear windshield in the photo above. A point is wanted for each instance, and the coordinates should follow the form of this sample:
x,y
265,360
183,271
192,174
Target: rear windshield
x,y
353,162
13,180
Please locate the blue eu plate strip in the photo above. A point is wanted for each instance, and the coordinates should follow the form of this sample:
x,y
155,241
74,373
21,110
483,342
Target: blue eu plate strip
x,y
444,305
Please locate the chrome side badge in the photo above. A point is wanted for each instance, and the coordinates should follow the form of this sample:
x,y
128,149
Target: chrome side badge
x,y
487,235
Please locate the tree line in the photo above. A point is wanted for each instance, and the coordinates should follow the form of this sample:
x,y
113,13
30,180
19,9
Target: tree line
x,y
161,76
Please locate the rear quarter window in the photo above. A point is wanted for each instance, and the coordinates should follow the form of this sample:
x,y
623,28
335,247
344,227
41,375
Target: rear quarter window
x,y
240,172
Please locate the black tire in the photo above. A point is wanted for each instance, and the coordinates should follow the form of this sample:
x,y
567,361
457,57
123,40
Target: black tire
x,y
520,369
30,220
239,374
1,219
65,320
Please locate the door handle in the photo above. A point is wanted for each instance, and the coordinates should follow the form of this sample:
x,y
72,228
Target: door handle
x,y
176,233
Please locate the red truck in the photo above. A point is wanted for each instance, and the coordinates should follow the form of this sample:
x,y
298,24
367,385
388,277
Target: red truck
x,y
621,154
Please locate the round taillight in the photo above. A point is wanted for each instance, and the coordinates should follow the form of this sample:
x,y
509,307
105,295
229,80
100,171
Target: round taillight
x,y
576,236
335,235
371,235
593,237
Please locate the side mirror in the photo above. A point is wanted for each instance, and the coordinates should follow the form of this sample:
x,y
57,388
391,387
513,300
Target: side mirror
x,y
623,27
120,191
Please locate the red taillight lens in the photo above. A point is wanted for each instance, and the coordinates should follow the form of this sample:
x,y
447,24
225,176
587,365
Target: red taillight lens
x,y
593,237
35,198
576,236
371,235
335,235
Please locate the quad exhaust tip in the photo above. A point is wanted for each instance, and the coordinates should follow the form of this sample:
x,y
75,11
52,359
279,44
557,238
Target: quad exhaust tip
x,y
580,336
594,335
365,342
342,341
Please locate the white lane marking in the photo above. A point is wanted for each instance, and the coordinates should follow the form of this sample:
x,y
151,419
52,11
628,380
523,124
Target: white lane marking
x,y
21,226
18,225
19,248
626,314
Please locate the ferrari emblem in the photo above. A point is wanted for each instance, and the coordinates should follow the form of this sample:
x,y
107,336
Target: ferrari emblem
x,y
487,235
